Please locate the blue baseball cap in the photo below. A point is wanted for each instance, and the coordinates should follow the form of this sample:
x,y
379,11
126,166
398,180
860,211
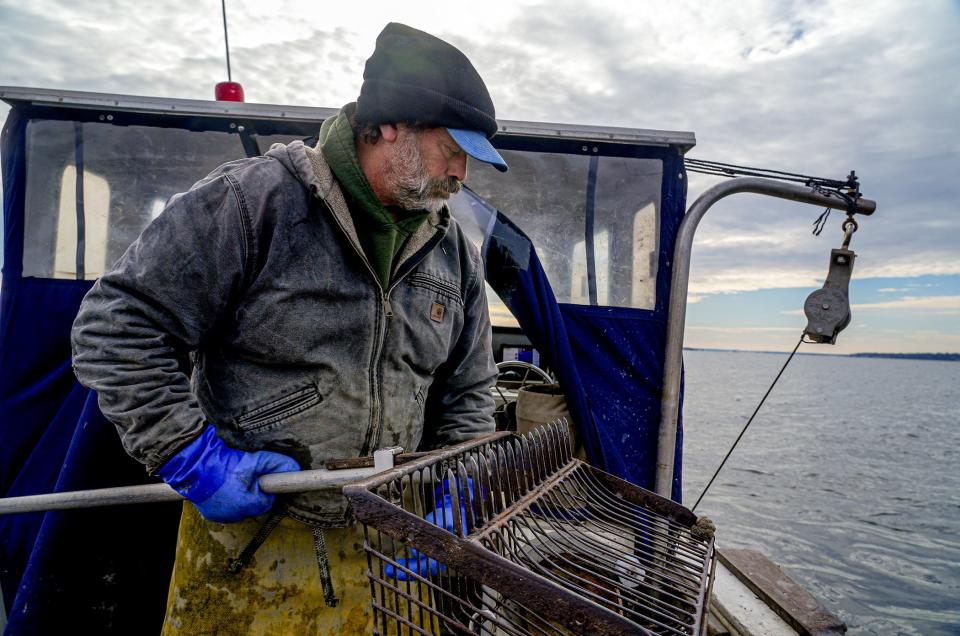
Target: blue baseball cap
x,y
478,146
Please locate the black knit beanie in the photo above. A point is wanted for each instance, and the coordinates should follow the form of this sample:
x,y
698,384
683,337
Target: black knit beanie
x,y
413,76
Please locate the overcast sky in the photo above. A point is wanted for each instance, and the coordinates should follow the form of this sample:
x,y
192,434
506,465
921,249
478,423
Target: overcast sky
x,y
814,87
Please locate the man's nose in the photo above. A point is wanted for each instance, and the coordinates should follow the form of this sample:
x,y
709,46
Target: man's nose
x,y
457,167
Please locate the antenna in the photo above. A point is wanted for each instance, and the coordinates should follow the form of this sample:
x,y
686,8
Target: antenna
x,y
226,38
228,91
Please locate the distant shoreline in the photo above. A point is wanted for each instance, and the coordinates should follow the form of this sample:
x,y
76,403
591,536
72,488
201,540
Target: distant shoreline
x,y
942,357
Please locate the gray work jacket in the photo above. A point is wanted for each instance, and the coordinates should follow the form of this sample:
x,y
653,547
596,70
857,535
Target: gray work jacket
x,y
257,274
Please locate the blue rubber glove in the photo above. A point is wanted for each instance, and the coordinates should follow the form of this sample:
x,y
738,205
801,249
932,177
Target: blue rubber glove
x,y
441,517
222,482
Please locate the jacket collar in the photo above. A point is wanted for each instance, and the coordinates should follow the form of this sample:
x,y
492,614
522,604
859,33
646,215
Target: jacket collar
x,y
309,166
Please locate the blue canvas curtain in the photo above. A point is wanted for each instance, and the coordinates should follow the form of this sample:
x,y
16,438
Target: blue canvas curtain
x,y
101,570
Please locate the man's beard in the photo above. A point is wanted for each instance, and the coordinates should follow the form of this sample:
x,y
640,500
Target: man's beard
x,y
412,188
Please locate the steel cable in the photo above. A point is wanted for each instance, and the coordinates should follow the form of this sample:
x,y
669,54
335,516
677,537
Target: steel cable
x,y
747,425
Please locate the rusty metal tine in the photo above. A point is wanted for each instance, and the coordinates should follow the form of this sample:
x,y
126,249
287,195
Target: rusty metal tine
x,y
547,442
552,435
560,444
523,463
530,481
562,428
529,465
564,424
550,439
481,490
496,488
537,457
417,503
517,469
462,485
500,478
493,481
530,460
510,474
513,472
549,452
455,511
544,451
432,487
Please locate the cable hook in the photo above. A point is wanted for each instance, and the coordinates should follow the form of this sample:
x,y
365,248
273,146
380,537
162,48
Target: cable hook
x,y
849,227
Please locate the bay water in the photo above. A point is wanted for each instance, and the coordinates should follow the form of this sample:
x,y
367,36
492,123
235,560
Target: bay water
x,y
848,478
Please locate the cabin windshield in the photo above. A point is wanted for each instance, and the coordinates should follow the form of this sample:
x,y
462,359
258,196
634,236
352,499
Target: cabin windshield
x,y
593,216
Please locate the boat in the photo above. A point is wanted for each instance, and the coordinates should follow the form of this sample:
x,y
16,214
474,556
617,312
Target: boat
x,y
586,244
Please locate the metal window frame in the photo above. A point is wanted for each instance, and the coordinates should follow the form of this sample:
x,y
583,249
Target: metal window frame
x,y
195,107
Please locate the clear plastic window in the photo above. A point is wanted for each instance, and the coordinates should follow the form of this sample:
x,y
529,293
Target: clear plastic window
x,y
129,173
546,195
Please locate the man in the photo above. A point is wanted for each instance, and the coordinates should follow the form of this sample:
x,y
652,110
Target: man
x,y
330,306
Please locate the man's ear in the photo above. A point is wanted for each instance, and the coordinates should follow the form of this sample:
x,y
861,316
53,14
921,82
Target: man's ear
x,y
388,132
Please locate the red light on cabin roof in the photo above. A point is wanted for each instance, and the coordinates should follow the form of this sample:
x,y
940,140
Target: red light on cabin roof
x,y
229,92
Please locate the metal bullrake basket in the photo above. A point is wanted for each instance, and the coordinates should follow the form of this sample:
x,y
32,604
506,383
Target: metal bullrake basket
x,y
510,535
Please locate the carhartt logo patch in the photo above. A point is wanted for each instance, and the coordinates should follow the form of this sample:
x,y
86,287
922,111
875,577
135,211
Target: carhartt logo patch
x,y
436,312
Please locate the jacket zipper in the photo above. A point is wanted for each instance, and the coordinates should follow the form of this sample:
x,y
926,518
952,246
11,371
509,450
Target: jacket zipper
x,y
375,424
373,439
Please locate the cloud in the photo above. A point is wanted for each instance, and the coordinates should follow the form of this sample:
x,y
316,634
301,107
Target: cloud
x,y
930,305
740,330
938,304
813,87
816,88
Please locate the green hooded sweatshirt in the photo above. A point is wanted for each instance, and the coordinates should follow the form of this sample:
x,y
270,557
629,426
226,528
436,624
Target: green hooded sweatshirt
x,y
380,236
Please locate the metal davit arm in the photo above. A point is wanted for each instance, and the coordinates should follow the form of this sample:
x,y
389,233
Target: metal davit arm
x,y
670,402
